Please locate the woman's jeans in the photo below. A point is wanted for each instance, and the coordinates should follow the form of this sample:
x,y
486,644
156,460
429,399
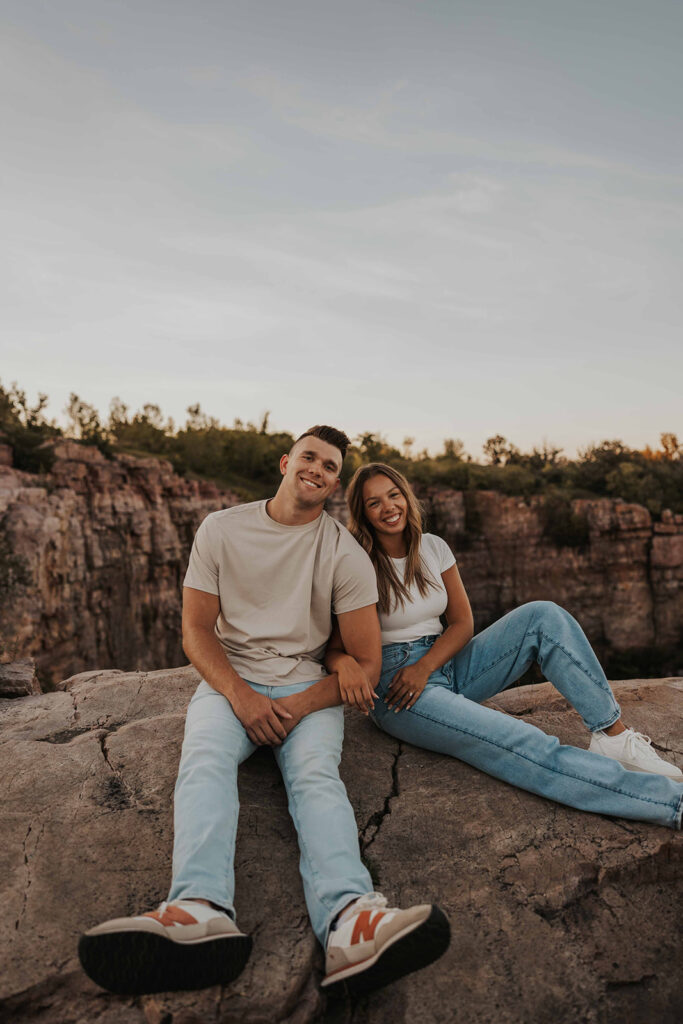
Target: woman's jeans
x,y
448,716
207,805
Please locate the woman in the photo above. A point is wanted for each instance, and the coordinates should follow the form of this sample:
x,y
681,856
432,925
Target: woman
x,y
433,680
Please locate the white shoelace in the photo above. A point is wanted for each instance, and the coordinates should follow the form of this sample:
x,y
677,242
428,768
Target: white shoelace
x,y
371,901
639,743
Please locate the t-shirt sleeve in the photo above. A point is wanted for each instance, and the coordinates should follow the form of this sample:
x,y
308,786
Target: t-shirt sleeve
x,y
355,583
445,556
202,570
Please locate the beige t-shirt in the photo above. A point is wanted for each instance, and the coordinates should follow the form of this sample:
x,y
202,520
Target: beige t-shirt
x,y
278,587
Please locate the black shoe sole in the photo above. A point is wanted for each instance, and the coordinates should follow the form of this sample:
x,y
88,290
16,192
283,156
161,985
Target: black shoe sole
x,y
416,950
139,963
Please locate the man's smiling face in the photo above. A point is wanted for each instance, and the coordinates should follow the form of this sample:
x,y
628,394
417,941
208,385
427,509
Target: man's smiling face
x,y
311,471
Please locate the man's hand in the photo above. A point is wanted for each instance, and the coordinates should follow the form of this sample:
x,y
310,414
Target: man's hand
x,y
354,686
406,686
264,719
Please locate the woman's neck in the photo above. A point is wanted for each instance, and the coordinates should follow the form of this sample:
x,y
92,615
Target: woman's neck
x,y
395,547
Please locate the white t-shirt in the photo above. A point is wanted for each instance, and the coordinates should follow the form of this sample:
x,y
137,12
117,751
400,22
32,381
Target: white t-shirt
x,y
420,616
278,587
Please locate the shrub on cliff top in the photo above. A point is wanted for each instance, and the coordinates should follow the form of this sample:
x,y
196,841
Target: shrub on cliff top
x,y
27,429
245,457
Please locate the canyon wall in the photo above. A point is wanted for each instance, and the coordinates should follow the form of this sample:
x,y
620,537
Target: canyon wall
x,y
92,557
100,548
624,584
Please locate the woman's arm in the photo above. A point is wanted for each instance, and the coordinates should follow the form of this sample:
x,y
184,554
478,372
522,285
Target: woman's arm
x,y
409,682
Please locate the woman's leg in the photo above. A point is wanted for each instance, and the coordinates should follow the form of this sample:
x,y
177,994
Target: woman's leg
x,y
540,632
519,753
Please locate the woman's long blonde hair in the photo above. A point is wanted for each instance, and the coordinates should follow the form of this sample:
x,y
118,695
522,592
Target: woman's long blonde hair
x,y
392,590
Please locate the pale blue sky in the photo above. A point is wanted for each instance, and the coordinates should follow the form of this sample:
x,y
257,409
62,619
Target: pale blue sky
x,y
436,219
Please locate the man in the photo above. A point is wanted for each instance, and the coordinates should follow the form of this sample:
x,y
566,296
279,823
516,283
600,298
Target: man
x,y
262,584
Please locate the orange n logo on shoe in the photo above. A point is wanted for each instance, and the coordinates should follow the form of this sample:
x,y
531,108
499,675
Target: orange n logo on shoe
x,y
365,926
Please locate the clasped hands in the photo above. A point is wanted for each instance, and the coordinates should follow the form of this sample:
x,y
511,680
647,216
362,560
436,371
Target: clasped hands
x,y
267,722
404,690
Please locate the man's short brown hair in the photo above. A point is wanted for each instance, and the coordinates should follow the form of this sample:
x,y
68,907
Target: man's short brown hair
x,y
330,435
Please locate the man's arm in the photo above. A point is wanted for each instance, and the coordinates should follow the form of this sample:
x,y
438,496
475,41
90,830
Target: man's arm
x,y
260,716
360,634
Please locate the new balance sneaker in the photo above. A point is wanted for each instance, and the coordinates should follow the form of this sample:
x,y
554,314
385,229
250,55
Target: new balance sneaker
x,y
635,752
182,945
373,944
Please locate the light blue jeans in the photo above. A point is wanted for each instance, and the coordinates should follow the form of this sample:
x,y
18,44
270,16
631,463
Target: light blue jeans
x,y
448,716
207,805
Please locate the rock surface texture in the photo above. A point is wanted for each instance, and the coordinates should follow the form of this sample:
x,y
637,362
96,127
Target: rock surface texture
x,y
101,546
18,679
557,915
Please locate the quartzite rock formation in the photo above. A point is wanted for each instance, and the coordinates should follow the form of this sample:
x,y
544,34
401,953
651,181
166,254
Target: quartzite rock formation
x,y
104,544
557,916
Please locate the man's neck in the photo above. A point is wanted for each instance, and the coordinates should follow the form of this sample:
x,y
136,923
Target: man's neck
x,y
287,512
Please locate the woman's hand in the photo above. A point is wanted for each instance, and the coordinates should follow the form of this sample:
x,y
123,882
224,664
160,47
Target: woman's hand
x,y
406,686
354,686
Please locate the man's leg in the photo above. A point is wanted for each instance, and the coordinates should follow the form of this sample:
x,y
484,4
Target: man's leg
x,y
332,871
206,802
368,944
186,944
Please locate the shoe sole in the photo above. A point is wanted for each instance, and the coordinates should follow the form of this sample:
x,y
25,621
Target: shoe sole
x,y
405,953
139,963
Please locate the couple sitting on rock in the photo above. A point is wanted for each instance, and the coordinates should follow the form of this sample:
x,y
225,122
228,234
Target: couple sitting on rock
x,y
263,584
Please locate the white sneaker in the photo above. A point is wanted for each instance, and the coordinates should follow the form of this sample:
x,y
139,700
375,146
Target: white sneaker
x,y
182,945
635,752
373,945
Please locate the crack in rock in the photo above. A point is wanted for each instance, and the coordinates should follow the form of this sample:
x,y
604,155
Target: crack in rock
x,y
666,750
121,794
372,827
630,982
67,735
27,864
77,713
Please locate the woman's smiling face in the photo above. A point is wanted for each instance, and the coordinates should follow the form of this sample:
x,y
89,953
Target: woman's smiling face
x,y
385,507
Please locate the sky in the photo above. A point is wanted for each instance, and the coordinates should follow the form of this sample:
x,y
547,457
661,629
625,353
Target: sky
x,y
444,219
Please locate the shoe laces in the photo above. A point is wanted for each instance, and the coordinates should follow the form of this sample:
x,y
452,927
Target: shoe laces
x,y
639,743
371,901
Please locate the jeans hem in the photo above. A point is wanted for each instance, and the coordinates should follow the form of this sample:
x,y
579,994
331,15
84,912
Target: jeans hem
x,y
678,816
340,905
607,723
220,901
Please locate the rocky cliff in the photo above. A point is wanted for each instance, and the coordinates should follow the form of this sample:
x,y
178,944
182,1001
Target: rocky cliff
x,y
92,557
623,581
557,916
98,548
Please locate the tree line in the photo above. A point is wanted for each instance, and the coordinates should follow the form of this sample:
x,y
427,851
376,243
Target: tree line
x,y
245,457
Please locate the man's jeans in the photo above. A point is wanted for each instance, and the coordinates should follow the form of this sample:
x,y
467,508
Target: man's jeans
x,y
206,806
448,716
